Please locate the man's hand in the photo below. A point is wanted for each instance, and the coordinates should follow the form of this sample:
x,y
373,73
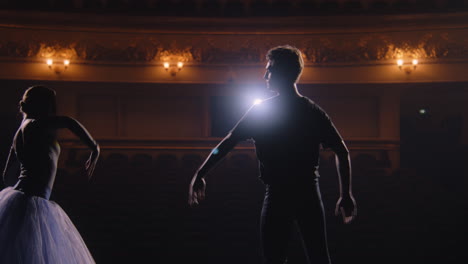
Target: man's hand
x,y
346,206
196,190
91,162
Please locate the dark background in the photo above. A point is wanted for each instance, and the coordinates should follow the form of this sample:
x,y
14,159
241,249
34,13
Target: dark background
x,y
134,209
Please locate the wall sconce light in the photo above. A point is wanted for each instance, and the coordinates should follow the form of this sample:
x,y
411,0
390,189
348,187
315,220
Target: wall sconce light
x,y
174,68
58,67
406,67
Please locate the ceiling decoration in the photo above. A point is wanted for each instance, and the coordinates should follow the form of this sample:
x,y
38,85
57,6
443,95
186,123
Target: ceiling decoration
x,y
234,49
241,8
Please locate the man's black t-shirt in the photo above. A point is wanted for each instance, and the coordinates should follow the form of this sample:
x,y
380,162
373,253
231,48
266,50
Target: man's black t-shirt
x,y
287,134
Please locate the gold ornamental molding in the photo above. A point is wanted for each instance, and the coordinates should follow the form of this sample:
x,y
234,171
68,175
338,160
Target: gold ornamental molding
x,y
228,41
239,49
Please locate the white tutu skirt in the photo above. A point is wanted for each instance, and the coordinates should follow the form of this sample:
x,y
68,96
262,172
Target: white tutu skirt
x,y
34,230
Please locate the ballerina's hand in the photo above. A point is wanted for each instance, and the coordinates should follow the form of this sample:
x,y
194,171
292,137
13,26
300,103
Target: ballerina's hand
x,y
346,206
91,163
196,190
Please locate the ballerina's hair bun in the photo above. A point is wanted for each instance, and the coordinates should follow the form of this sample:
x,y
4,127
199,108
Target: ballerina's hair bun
x,y
38,101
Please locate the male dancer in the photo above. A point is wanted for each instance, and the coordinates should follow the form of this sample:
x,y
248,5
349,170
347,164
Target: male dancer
x,y
288,130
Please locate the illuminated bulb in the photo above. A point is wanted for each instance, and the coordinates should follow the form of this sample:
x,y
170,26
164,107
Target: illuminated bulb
x,y
415,62
66,62
180,65
50,62
422,111
400,62
257,101
166,65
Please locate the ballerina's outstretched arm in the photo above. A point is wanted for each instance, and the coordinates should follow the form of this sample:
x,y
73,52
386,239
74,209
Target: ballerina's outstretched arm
x,y
80,131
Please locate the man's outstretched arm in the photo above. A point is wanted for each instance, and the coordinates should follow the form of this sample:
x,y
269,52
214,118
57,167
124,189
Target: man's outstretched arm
x,y
346,205
198,184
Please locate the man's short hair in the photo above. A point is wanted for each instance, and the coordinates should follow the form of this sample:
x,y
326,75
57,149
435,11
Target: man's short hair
x,y
287,60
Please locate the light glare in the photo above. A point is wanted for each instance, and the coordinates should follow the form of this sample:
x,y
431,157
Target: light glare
x,y
49,62
166,65
415,62
257,101
66,62
400,62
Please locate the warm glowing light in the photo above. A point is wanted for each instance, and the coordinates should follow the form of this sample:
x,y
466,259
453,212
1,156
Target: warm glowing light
x,y
58,68
173,68
257,101
406,68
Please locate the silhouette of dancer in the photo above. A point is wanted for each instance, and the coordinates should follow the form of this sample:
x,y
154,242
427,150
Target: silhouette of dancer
x,y
288,130
32,228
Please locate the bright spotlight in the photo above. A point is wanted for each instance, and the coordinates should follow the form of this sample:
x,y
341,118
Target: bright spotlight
x,y
257,101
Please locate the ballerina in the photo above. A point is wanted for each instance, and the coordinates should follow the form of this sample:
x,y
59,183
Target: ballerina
x,y
32,228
